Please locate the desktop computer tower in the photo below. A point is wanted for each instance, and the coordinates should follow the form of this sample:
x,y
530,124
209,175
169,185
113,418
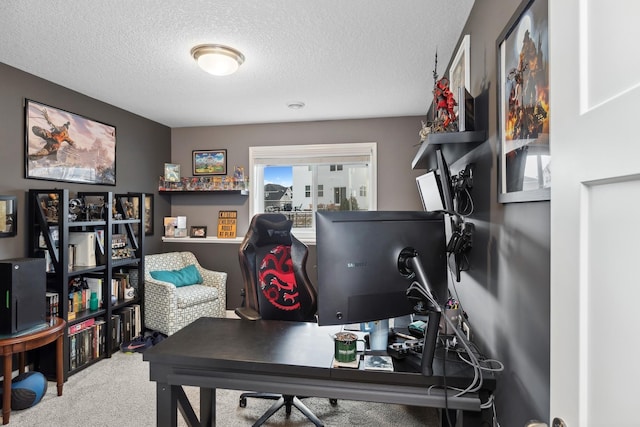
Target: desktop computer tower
x,y
23,293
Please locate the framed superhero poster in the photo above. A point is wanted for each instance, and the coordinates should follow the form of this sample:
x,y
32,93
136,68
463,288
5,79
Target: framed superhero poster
x,y
524,163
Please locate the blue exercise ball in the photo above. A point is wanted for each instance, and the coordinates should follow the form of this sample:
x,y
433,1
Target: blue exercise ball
x,y
27,390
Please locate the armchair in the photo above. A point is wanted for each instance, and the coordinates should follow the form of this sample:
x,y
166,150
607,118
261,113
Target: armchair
x,y
276,287
169,308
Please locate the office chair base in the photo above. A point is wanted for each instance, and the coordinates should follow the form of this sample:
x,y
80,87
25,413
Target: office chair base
x,y
286,401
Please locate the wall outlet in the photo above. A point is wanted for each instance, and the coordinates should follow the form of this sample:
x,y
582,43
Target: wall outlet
x,y
467,329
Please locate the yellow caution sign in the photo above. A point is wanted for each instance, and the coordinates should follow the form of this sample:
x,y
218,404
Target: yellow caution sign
x,y
227,224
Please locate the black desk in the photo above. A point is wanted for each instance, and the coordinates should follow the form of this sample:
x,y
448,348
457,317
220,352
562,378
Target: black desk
x,y
288,358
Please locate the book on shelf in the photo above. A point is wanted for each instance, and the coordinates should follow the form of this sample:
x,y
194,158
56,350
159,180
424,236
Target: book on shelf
x,y
52,304
101,327
116,331
82,325
121,280
137,320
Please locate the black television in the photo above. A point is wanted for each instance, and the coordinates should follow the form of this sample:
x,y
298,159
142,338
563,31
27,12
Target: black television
x,y
368,260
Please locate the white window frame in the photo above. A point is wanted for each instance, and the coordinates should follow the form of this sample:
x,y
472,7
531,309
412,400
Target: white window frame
x,y
307,154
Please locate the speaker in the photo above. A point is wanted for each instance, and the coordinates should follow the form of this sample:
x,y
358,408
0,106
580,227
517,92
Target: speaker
x,y
27,389
23,284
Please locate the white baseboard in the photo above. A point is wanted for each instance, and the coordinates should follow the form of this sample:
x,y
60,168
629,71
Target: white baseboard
x,y
232,315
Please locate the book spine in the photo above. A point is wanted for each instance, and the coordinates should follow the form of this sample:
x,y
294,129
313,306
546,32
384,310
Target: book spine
x,y
82,325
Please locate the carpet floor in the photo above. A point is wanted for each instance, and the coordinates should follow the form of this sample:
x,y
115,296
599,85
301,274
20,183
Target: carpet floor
x,y
118,392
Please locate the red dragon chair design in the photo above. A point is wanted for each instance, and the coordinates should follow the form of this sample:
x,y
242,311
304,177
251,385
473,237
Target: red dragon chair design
x,y
276,287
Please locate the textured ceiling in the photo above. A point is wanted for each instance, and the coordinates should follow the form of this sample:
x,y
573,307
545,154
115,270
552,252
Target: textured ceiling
x,y
342,58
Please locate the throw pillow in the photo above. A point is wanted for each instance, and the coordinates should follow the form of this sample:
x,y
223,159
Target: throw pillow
x,y
186,276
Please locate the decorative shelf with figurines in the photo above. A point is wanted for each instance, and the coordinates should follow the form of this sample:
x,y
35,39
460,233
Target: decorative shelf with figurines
x,y
200,184
237,183
451,124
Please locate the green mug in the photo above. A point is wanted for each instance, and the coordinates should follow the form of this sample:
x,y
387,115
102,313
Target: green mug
x,y
345,346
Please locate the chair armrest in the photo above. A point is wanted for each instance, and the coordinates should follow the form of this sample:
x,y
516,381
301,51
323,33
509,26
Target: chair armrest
x,y
216,279
247,313
161,292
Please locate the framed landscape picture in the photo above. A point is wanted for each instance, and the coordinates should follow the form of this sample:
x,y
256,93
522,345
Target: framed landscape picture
x,y
63,146
524,162
209,162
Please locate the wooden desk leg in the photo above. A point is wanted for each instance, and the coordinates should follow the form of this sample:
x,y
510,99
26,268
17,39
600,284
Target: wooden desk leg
x,y
166,405
6,398
208,407
59,365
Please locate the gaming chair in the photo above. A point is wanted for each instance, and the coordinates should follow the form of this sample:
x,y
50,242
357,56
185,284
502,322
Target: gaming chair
x,y
273,264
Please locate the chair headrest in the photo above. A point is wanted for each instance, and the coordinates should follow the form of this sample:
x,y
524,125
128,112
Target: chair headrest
x,y
272,232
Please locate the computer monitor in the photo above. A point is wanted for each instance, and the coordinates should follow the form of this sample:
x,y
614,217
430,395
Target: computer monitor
x,y
363,273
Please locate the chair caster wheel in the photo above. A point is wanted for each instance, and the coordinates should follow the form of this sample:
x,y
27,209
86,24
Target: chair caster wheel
x,y
243,402
333,402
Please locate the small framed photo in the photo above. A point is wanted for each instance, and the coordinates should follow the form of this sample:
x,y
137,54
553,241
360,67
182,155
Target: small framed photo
x,y
238,173
460,71
171,172
198,231
8,216
209,162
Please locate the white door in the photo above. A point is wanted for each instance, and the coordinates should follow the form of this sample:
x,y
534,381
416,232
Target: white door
x,y
595,211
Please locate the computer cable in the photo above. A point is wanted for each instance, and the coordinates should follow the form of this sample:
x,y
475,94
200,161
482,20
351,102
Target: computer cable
x,y
444,383
500,367
464,202
476,383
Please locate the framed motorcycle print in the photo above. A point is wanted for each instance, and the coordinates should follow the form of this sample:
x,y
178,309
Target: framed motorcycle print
x,y
64,146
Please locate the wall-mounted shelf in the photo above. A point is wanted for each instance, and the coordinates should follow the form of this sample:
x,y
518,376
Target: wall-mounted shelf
x,y
239,192
453,144
200,240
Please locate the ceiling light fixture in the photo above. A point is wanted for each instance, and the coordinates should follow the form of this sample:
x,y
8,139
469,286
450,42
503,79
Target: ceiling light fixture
x,y
217,59
296,105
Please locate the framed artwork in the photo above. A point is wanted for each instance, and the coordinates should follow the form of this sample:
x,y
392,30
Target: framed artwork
x,y
63,146
460,70
171,172
524,163
198,231
148,212
8,216
209,162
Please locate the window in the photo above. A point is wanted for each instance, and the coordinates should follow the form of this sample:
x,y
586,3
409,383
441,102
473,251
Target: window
x,y
282,178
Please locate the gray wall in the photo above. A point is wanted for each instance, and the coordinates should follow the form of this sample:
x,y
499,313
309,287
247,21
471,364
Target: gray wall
x,y
397,140
506,292
142,147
